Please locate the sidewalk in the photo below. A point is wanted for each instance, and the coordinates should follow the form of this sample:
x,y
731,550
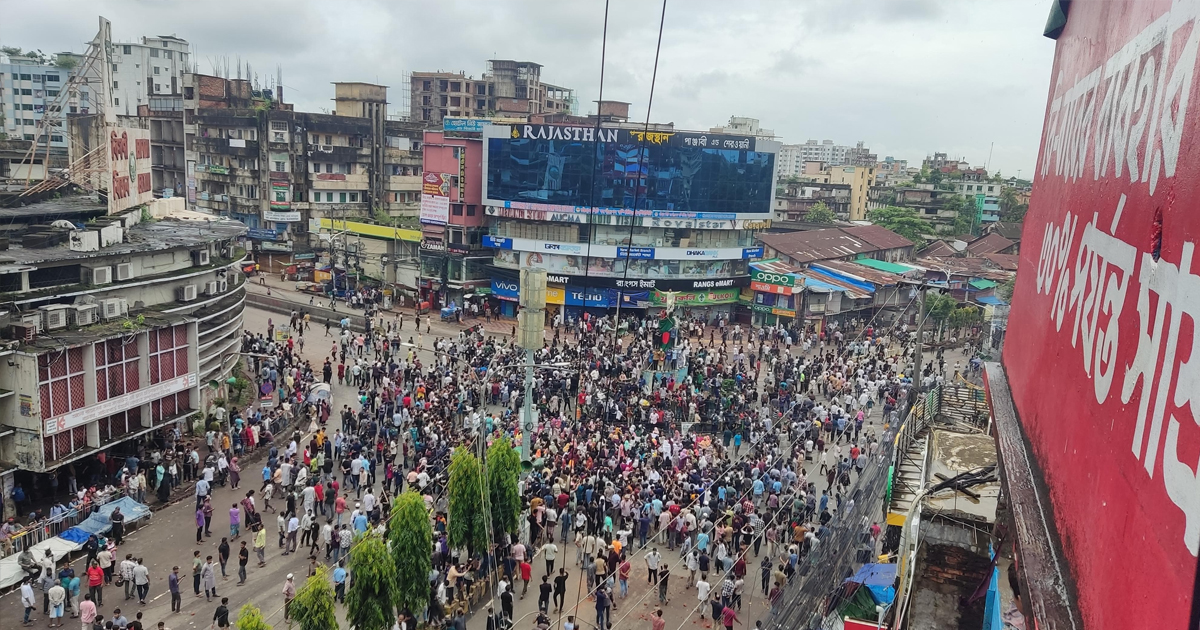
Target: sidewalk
x,y
286,291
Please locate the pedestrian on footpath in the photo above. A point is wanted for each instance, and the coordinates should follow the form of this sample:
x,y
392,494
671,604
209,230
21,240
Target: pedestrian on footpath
x,y
199,524
235,521
173,588
126,569
260,545
141,580
197,566
339,582
96,583
223,556
208,575
58,598
221,616
87,611
28,600
289,593
243,558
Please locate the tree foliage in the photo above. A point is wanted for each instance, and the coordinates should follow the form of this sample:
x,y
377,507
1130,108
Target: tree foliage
x,y
503,472
251,618
1005,290
965,317
903,221
939,306
371,596
1011,208
820,213
964,211
467,521
411,539
313,608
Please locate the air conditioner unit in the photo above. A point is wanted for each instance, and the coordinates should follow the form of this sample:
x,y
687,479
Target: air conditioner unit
x,y
210,288
86,315
222,286
54,316
124,272
34,320
186,294
325,148
110,308
97,275
200,257
124,306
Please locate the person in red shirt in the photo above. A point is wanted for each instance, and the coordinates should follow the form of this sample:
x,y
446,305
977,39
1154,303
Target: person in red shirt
x,y
729,617
95,580
526,574
656,621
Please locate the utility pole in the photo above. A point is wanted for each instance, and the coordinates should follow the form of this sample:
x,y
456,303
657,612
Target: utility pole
x,y
531,324
917,359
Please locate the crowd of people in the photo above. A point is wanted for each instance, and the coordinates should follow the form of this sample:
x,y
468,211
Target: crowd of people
x,y
727,448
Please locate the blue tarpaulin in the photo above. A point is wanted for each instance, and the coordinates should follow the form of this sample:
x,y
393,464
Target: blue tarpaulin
x,y
99,522
879,578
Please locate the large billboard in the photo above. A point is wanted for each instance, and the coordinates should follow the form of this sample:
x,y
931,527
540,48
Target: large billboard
x,y
1103,345
130,182
611,171
435,198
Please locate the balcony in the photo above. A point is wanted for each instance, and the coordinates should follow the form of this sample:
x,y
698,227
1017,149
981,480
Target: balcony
x,y
338,181
226,146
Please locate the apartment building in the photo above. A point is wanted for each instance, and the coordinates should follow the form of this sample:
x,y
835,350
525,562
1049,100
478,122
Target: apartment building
x,y
507,87
28,87
150,67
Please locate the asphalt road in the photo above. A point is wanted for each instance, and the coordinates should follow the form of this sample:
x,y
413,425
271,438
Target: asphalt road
x,y
168,539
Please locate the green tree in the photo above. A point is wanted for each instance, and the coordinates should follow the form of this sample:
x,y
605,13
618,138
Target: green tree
x,y
964,317
65,62
820,213
1011,208
903,221
250,618
964,211
503,472
1005,290
938,308
371,597
467,524
410,537
313,608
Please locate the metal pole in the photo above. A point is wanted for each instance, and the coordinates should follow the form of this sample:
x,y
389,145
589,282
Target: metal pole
x,y
920,341
527,412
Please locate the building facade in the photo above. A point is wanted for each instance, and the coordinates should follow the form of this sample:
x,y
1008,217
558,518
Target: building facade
x,y
793,156
607,237
28,87
506,88
151,67
115,332
454,262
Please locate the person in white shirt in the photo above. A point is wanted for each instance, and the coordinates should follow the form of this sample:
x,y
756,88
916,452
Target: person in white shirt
x,y
702,589
549,552
28,600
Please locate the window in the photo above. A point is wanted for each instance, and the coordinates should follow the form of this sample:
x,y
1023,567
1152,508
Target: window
x,y
116,368
156,69
51,93
29,136
471,210
279,166
341,197
480,104
329,197
26,77
114,67
29,92
456,208
455,86
153,53
455,101
166,53
427,85
116,85
168,359
329,140
346,168
279,125
353,197
116,101
481,90
56,138
128,50
329,167
51,78
30,122
27,107
157,87
61,381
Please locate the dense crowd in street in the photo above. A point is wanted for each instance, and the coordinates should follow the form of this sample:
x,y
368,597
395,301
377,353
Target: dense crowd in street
x,y
782,420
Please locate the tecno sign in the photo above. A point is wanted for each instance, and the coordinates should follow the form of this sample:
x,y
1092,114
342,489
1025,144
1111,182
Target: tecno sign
x,y
768,277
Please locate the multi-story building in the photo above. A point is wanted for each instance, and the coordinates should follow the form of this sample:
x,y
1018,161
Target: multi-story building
x,y
116,332
939,160
857,180
606,237
280,171
164,118
741,125
146,69
506,88
793,156
28,87
454,262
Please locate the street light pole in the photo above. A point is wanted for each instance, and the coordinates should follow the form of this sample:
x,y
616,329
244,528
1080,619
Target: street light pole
x,y
531,322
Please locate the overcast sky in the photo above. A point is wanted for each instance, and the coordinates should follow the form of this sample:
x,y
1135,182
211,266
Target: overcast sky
x,y
909,77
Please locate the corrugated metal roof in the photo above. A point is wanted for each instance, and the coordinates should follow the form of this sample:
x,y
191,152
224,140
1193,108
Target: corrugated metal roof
x,y
774,265
864,273
883,265
990,244
982,284
813,245
816,277
878,236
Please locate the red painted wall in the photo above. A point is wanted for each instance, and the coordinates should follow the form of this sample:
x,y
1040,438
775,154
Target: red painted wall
x,y
1102,351
438,157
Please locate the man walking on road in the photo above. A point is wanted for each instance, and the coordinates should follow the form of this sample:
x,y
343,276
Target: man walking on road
x,y
141,580
173,587
289,593
243,558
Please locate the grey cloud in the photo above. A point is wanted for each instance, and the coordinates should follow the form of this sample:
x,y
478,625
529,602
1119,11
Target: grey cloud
x,y
906,76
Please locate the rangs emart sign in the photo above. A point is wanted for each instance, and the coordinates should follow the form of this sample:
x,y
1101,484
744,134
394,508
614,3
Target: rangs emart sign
x,y
1103,350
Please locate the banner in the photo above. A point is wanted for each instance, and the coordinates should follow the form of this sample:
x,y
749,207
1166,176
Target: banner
x,y
468,125
435,198
282,217
281,198
770,277
130,182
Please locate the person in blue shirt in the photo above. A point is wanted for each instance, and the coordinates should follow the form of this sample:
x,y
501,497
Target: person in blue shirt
x,y
702,541
360,522
824,500
339,582
758,490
